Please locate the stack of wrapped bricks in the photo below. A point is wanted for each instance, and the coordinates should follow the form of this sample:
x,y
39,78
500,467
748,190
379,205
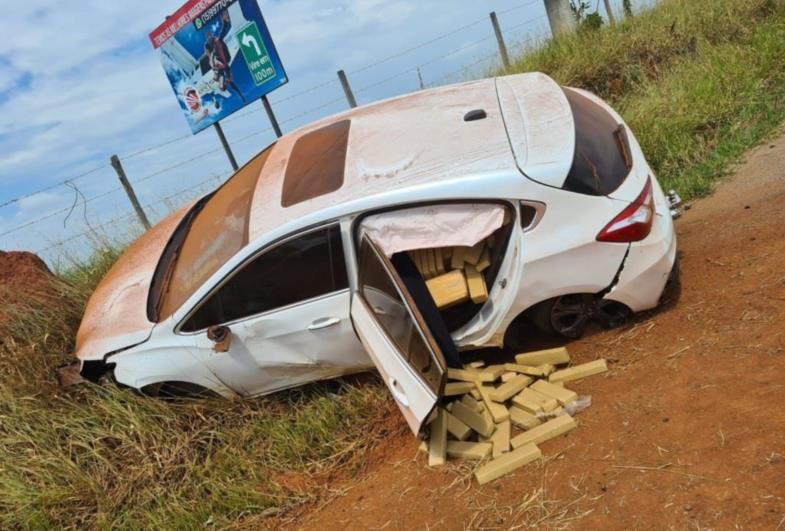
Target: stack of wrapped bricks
x,y
454,274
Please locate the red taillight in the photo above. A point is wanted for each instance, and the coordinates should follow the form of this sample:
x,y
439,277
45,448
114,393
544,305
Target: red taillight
x,y
634,222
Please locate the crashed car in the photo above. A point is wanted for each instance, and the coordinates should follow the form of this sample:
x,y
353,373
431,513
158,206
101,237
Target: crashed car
x,y
394,235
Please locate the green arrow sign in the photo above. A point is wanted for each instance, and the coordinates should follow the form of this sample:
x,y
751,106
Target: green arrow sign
x,y
255,54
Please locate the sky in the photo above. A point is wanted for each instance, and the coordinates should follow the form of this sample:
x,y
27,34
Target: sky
x,y
80,82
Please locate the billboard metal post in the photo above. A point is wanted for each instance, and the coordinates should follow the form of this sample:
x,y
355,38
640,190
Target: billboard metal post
x,y
118,167
500,40
347,89
271,115
225,144
218,56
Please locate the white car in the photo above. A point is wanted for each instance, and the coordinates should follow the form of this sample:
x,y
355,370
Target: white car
x,y
308,263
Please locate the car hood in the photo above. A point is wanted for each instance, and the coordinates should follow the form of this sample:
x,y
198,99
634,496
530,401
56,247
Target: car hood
x,y
116,314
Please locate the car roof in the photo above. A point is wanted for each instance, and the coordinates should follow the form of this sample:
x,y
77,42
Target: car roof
x,y
412,140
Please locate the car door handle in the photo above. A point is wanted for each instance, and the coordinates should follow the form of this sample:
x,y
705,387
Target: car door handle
x,y
398,392
324,322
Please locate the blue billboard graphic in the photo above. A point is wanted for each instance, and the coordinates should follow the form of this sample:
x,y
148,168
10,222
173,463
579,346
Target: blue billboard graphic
x,y
218,56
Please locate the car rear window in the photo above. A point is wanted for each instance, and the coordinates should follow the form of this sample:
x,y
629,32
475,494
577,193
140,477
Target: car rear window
x,y
316,164
217,233
602,158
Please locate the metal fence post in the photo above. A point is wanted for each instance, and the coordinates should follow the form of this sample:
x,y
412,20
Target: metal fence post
x,y
419,76
118,167
347,89
271,115
560,17
609,11
500,40
225,144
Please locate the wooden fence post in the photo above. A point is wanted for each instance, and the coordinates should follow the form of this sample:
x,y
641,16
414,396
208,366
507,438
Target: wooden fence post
x,y
560,17
500,40
118,167
347,89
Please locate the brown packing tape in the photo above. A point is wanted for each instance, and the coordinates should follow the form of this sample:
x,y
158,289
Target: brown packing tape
x,y
448,289
456,428
437,447
501,438
456,261
439,258
485,261
553,428
552,356
457,388
476,421
469,450
546,403
509,389
577,372
506,463
430,264
478,291
560,394
473,254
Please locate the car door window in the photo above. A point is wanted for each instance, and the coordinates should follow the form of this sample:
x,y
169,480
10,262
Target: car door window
x,y
296,270
385,301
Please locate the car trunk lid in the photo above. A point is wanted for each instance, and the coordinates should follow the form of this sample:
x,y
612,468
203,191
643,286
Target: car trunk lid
x,y
539,125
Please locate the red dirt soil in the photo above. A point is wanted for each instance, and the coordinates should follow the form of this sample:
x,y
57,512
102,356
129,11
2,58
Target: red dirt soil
x,y
23,276
686,428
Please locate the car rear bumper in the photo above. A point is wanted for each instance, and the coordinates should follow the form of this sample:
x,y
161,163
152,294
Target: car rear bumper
x,y
649,263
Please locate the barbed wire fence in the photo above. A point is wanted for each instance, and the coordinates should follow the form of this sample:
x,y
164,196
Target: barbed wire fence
x,y
522,33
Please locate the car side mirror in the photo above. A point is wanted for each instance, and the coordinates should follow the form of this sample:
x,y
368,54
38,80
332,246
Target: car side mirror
x,y
221,336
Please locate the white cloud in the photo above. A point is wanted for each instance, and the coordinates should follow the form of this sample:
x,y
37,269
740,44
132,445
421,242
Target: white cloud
x,y
79,81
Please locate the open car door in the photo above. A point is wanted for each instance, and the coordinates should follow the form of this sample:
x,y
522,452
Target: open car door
x,y
393,332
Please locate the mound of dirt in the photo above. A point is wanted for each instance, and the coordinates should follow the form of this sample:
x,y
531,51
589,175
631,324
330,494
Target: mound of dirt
x,y
23,276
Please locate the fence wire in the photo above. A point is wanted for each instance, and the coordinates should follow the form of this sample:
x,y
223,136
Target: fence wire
x,y
485,59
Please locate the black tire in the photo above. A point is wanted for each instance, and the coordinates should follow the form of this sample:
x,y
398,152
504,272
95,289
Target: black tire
x,y
550,317
672,289
568,315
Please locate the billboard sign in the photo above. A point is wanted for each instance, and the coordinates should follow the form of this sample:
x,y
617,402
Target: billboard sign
x,y
218,56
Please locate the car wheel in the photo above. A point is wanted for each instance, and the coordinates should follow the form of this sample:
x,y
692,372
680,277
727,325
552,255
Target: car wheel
x,y
568,315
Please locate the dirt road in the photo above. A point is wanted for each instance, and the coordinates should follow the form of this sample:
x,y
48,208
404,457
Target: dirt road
x,y
687,430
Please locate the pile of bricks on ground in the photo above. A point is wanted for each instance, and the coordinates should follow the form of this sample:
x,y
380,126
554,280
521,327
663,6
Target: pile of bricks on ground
x,y
505,411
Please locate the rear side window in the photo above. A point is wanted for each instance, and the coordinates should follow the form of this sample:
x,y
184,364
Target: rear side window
x,y
602,158
302,268
387,305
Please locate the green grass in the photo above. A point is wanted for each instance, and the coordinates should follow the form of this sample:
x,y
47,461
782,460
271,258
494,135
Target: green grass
x,y
103,457
699,81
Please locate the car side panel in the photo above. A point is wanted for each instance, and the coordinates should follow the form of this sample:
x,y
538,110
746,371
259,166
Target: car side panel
x,y
153,362
650,261
287,347
562,255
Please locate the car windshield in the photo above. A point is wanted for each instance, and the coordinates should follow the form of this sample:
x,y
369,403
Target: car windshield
x,y
215,233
